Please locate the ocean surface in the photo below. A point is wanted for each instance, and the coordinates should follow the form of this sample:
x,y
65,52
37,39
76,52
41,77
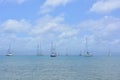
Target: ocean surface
x,y
59,68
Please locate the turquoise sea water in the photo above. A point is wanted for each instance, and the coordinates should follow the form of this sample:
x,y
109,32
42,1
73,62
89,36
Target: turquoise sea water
x,y
59,68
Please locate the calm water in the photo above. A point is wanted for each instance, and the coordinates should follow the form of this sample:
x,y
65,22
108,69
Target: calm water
x,y
59,68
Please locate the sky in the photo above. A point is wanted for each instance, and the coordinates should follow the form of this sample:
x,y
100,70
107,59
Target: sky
x,y
66,23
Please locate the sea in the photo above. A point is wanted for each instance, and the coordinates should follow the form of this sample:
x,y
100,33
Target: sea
x,y
59,68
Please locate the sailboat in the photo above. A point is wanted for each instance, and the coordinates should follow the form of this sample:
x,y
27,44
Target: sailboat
x,y
9,51
88,54
53,53
39,51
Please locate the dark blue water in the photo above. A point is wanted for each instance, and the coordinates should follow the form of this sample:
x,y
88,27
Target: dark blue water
x,y
59,68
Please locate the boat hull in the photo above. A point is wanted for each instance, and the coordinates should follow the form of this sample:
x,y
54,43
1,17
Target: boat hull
x,y
52,55
9,55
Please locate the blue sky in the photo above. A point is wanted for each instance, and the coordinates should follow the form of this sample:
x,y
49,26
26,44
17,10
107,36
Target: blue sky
x,y
67,23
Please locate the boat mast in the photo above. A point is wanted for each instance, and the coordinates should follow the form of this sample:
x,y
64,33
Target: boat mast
x,y
39,51
9,49
52,49
87,46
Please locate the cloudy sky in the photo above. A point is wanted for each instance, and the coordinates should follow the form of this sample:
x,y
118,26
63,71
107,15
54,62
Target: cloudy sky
x,y
67,23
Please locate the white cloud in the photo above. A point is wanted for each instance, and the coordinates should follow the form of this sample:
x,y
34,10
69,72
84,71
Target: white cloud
x,y
49,5
70,33
12,1
105,6
46,24
106,28
67,31
14,26
53,25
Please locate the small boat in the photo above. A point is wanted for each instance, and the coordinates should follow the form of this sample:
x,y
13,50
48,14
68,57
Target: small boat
x,y
9,51
88,54
9,54
53,52
52,55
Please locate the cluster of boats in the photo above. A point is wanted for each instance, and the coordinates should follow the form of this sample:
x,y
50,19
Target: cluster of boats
x,y
39,53
53,51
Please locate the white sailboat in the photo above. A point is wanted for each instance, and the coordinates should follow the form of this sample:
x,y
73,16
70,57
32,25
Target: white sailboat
x,y
87,53
53,52
9,51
